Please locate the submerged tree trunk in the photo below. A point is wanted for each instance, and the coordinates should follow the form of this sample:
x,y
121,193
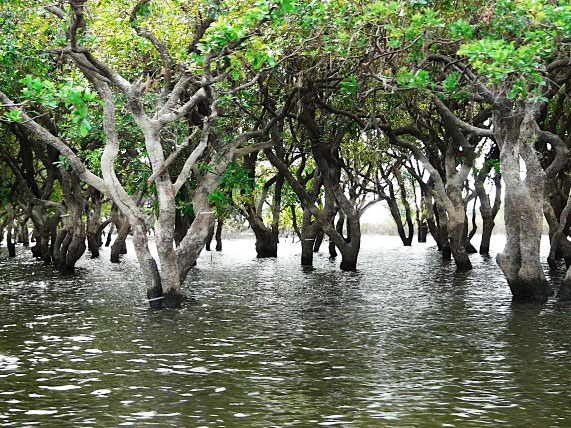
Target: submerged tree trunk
x,y
94,225
421,219
10,241
455,225
520,260
110,234
209,236
559,239
218,235
70,241
564,294
339,229
442,224
120,244
487,210
266,237
309,231
318,241
23,233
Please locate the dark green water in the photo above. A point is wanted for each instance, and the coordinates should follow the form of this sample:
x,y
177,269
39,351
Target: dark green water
x,y
403,342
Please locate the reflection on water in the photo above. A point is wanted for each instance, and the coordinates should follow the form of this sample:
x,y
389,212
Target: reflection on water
x,y
405,341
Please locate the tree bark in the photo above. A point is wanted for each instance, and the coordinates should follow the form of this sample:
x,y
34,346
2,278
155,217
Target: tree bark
x,y
520,259
218,235
209,236
10,241
120,245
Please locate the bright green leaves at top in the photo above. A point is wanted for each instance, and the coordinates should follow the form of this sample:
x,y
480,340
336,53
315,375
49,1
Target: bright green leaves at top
x,y
496,59
405,23
499,60
287,6
230,27
76,99
517,39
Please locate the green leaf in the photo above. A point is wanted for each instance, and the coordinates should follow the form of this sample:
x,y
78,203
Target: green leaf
x,y
84,128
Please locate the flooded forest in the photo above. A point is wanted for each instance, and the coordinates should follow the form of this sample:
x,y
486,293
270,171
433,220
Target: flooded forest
x,y
187,187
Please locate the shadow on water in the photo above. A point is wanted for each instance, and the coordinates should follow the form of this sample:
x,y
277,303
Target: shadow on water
x,y
403,341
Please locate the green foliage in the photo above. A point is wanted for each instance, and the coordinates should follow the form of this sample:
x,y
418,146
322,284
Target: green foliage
x,y
13,115
235,181
414,79
461,28
76,99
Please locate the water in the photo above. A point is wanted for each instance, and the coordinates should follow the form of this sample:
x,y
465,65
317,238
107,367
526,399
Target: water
x,y
403,342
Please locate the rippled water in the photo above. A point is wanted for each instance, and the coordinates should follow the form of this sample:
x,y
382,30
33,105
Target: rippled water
x,y
403,342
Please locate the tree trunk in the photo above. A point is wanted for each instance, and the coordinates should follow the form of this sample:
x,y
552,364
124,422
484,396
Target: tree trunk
x,y
148,265
455,226
10,241
520,260
443,233
487,229
431,222
181,225
266,242
120,244
470,249
564,294
209,236
36,249
318,241
339,229
395,213
422,231
421,219
309,231
94,225
218,235
75,249
23,233
110,234
195,240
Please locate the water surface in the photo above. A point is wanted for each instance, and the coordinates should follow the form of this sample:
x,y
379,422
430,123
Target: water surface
x,y
404,341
